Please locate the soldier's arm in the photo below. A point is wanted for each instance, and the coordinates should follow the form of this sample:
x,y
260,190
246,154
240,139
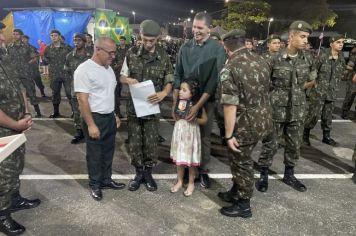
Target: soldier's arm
x,y
124,75
9,123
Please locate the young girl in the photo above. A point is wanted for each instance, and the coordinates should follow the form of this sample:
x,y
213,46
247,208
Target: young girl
x,y
185,146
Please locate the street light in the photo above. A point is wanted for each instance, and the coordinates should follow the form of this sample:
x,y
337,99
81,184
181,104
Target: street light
x,y
192,11
134,15
269,24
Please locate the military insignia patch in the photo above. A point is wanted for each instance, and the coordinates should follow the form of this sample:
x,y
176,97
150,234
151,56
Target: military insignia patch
x,y
300,25
224,75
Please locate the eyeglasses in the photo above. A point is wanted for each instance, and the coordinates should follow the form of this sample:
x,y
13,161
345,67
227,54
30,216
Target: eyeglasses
x,y
112,53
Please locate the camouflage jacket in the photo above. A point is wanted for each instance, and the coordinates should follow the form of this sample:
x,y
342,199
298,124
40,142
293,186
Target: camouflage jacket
x,y
245,82
11,101
330,72
288,77
119,60
144,66
73,60
19,56
352,63
56,57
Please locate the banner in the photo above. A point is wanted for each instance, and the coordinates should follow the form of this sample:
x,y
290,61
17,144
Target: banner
x,y
9,22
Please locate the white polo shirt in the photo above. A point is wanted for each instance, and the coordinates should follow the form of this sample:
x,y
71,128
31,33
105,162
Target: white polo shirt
x,y
99,82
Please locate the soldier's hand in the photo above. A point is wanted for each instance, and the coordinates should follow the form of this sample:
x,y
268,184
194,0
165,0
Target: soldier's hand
x,y
192,113
131,81
157,97
94,132
24,124
118,121
354,79
233,145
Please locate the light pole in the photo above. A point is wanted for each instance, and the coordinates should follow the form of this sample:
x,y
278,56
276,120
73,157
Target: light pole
x,y
134,16
191,11
269,24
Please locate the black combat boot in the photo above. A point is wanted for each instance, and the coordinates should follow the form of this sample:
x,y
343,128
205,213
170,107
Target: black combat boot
x,y
20,203
8,226
240,208
77,137
327,139
149,182
55,111
306,135
292,181
138,180
354,176
228,196
38,111
262,183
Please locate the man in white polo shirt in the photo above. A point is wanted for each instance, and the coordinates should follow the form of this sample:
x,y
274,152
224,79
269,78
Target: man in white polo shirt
x,y
94,84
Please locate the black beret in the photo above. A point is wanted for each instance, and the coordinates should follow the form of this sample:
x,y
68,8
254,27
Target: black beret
x,y
273,36
25,36
215,34
54,31
80,36
236,33
150,28
123,37
336,38
301,26
18,31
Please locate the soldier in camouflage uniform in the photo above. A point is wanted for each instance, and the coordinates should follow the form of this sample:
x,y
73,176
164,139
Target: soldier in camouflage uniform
x,y
244,87
351,87
293,70
73,60
146,62
354,159
321,98
13,120
89,45
55,54
21,57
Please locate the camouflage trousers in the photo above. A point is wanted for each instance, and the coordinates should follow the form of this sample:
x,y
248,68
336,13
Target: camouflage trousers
x,y
56,85
349,99
241,165
75,108
354,156
118,96
143,141
10,170
37,78
319,109
29,85
269,149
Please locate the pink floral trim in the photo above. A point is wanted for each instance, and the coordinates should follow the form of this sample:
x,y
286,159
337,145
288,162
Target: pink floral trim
x,y
182,163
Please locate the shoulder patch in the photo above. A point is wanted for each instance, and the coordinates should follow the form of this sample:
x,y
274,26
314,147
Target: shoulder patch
x,y
224,74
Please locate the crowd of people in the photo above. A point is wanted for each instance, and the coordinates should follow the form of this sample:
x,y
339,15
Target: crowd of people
x,y
276,98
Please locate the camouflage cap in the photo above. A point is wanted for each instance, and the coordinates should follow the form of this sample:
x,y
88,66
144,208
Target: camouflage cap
x,y
2,25
54,31
236,33
301,26
335,38
215,34
18,31
150,28
80,36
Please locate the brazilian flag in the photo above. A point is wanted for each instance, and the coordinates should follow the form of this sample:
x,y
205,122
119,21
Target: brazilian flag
x,y
121,27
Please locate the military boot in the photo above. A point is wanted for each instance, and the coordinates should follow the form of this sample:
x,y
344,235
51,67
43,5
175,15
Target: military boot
x,y
149,182
354,176
240,208
306,135
77,137
327,139
228,196
55,111
8,225
20,203
138,180
262,183
292,181
38,111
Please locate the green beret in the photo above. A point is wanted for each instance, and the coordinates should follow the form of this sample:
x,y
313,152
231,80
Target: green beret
x,y
123,37
150,28
18,31
335,38
80,36
54,31
301,26
25,36
2,25
273,36
236,33
215,34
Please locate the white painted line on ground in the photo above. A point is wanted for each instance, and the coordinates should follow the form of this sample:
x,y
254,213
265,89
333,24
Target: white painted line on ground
x,y
173,176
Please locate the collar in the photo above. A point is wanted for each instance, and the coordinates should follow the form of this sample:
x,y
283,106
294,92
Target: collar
x,y
155,54
203,42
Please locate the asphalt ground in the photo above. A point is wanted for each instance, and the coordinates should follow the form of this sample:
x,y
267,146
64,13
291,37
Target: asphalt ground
x,y
55,172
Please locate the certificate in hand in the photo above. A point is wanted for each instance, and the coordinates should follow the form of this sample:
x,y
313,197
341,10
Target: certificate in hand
x,y
9,144
139,93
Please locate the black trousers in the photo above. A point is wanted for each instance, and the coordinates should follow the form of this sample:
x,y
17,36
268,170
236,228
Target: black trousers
x,y
100,151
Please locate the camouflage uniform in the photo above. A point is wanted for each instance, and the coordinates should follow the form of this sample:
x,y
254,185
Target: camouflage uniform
x,y
322,96
12,104
56,56
245,82
73,60
288,100
35,73
18,56
350,88
143,131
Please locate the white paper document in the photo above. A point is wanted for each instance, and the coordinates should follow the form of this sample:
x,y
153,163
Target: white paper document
x,y
9,144
139,93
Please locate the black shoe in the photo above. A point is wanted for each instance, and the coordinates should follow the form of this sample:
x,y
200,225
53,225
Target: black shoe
x,y
113,185
292,181
161,139
204,180
237,210
78,137
9,226
227,196
55,115
262,183
306,136
137,181
96,193
354,178
149,182
19,203
327,139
